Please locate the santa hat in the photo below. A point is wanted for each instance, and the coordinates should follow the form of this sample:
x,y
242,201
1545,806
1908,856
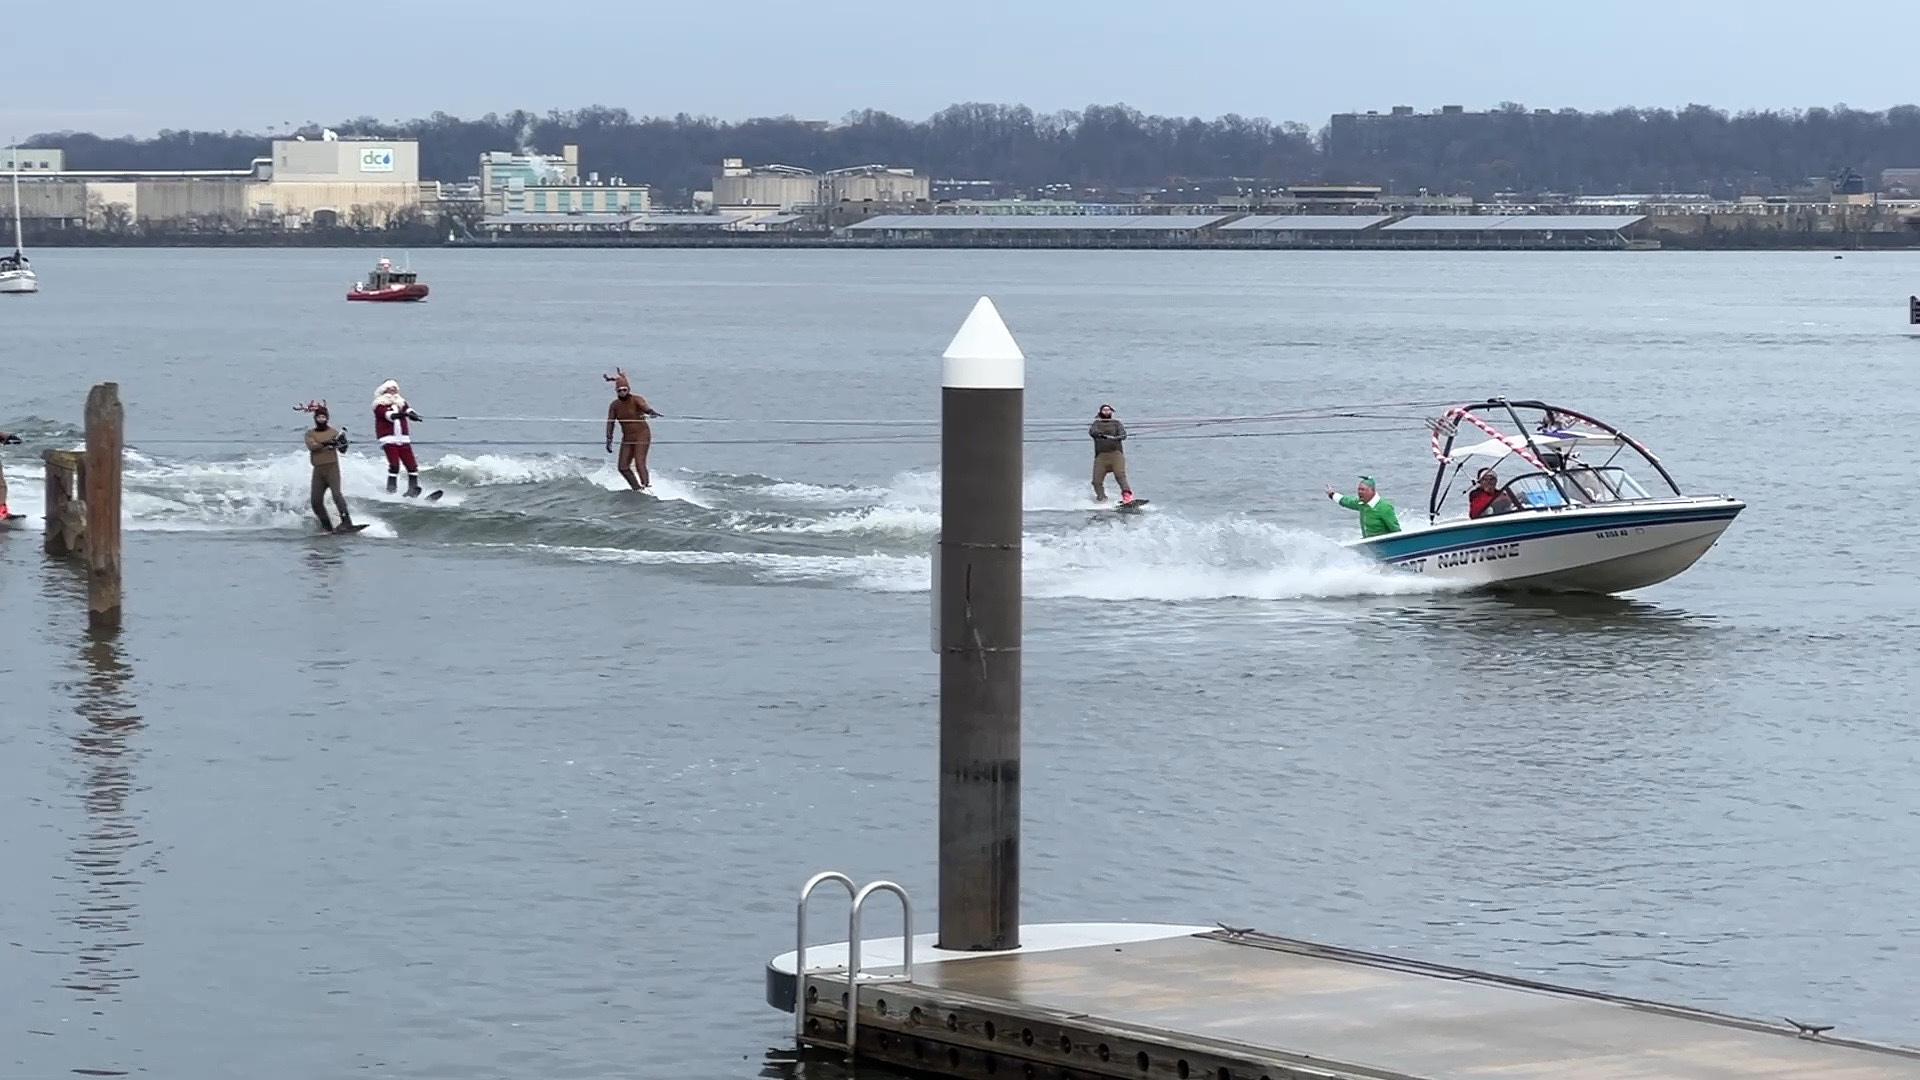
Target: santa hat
x,y
388,393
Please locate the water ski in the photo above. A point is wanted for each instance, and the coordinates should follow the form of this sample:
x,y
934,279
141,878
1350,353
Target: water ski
x,y
435,497
1130,505
341,530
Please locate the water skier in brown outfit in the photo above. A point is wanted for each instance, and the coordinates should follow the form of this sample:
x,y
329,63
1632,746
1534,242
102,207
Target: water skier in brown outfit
x,y
630,411
324,443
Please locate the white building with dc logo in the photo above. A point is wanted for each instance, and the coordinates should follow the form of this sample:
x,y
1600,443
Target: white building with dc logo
x,y
355,180
301,183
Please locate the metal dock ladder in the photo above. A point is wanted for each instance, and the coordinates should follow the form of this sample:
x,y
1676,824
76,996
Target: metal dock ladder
x,y
855,978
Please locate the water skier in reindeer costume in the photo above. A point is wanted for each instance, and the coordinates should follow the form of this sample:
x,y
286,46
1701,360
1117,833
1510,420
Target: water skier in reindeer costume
x,y
324,444
630,411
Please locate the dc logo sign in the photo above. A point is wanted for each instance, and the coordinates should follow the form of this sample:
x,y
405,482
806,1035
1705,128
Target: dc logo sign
x,y
376,159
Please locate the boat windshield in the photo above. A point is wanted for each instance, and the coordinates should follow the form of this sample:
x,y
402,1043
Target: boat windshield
x,y
1535,491
1581,485
1602,484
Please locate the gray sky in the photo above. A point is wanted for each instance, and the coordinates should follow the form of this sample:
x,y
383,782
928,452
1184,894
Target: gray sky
x,y
135,66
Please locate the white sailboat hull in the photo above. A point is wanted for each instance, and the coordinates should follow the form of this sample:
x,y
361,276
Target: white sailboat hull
x,y
16,282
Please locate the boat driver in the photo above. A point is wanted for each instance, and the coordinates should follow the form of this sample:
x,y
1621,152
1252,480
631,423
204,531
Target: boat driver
x,y
1485,497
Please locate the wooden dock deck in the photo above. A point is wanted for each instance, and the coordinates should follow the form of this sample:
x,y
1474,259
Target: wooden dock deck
x,y
1231,1005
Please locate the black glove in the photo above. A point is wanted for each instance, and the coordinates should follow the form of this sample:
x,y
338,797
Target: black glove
x,y
411,415
340,441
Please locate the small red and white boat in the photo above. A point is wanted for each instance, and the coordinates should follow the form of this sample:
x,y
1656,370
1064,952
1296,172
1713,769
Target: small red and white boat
x,y
386,283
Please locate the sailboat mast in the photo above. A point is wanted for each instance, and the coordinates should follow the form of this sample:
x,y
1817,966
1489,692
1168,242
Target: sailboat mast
x,y
18,242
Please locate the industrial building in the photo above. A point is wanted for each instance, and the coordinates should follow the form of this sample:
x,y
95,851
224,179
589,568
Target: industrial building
x,y
360,182
513,223
32,162
1037,230
1524,231
770,188
524,182
1534,232
1301,230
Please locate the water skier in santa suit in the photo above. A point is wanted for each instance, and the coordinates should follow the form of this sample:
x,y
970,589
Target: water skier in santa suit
x,y
393,426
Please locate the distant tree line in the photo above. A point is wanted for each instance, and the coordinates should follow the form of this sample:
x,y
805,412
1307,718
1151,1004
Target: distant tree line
x,y
1695,149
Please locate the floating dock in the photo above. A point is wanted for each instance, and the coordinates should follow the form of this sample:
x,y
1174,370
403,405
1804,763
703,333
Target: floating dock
x,y
1124,1000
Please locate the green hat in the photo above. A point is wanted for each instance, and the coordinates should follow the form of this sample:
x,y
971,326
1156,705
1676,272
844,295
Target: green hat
x,y
1368,480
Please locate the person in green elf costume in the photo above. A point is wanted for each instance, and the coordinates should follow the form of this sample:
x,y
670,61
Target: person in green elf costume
x,y
1376,513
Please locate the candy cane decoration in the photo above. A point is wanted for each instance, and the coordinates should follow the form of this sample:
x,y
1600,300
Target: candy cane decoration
x,y
1451,421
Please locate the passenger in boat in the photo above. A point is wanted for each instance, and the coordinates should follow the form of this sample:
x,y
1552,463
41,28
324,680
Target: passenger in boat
x,y
9,439
324,444
1486,497
630,411
392,425
1589,485
1109,454
1376,514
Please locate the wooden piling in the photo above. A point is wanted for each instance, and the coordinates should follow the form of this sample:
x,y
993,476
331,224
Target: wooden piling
x,y
105,428
65,505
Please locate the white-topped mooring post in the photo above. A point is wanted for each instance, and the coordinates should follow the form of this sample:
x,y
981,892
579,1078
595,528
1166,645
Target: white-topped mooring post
x,y
982,421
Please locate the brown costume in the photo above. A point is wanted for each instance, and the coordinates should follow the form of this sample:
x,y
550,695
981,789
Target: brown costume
x,y
323,453
630,411
4,438
1109,454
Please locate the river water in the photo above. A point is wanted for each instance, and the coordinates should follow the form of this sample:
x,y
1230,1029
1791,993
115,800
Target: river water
x,y
521,784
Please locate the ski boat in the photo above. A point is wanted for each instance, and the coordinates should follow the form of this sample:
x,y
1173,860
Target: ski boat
x,y
386,283
1568,520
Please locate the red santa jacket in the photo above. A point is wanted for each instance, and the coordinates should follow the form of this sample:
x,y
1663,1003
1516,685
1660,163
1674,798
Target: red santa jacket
x,y
392,421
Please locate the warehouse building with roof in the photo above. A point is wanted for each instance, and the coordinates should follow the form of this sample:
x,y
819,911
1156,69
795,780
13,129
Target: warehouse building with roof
x,y
1036,230
1280,231
1530,231
1302,230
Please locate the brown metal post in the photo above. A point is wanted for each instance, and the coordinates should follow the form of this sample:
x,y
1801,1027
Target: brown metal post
x,y
983,397
105,428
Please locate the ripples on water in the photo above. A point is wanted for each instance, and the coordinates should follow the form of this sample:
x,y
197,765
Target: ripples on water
x,y
520,784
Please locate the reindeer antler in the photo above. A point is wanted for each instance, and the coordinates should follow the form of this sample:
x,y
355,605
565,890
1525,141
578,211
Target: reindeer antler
x,y
311,406
618,374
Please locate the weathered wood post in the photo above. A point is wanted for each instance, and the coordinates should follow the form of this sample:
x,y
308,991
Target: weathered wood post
x,y
105,424
65,514
983,392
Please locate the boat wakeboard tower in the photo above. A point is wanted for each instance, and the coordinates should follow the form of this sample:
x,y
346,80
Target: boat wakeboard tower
x,y
1566,517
